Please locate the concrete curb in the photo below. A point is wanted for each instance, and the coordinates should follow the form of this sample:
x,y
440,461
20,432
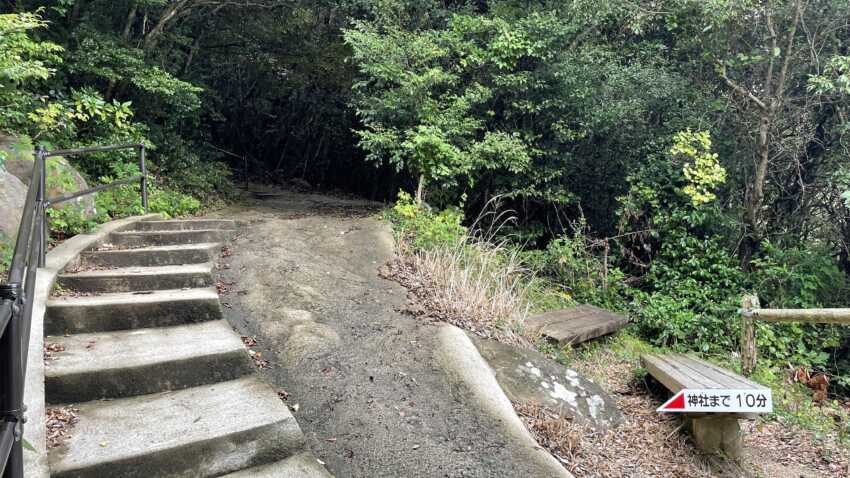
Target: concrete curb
x,y
35,463
457,355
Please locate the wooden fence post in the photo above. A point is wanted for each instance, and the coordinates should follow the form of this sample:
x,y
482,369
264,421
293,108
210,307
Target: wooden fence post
x,y
748,334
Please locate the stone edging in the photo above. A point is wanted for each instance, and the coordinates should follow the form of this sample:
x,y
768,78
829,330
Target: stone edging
x,y
457,355
35,463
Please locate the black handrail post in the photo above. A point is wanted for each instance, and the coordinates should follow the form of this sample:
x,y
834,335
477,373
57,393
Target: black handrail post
x,y
11,382
41,204
144,180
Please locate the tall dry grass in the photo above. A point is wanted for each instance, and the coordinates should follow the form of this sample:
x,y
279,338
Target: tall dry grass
x,y
478,282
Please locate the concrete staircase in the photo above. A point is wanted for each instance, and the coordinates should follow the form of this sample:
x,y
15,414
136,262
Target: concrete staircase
x,y
163,385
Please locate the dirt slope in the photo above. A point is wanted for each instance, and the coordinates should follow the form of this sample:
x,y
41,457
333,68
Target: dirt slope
x,y
302,277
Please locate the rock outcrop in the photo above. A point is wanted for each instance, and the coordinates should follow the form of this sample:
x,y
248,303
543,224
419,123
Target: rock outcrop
x,y
12,195
529,377
62,177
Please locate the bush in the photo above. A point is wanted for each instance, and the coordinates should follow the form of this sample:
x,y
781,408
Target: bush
x,y
127,200
71,220
798,278
7,248
574,265
419,228
122,201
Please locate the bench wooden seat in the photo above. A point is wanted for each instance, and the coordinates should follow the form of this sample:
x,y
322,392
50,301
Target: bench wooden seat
x,y
575,325
713,433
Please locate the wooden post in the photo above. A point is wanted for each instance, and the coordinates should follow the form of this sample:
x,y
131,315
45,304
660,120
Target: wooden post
x,y
748,334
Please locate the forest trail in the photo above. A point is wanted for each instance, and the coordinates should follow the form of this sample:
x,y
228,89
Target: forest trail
x,y
361,377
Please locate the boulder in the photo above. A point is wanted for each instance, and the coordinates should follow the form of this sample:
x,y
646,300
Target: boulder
x,y
62,177
19,159
13,193
528,376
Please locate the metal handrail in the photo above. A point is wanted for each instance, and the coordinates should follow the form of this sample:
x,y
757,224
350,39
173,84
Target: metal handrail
x,y
16,296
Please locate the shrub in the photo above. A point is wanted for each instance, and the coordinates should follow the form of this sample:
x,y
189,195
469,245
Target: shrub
x,y
798,277
419,228
574,265
71,220
127,200
7,248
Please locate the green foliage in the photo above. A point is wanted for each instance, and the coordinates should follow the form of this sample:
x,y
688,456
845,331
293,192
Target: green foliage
x,y
7,248
127,201
580,269
172,203
799,278
23,60
422,229
702,170
21,57
102,56
69,221
500,102
835,78
85,109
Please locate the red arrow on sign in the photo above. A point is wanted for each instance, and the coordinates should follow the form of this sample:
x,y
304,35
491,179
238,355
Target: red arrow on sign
x,y
675,404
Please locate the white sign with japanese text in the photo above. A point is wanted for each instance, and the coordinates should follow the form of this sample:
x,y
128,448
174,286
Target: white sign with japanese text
x,y
720,401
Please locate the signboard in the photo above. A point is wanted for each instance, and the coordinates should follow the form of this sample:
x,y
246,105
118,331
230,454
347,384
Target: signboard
x,y
716,400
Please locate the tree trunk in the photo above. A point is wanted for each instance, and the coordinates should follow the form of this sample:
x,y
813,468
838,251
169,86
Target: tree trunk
x,y
420,190
191,56
767,107
131,18
754,199
171,12
74,15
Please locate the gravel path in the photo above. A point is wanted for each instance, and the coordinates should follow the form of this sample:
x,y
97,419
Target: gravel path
x,y
301,277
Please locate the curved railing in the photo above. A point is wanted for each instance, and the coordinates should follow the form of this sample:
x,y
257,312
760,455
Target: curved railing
x,y
16,297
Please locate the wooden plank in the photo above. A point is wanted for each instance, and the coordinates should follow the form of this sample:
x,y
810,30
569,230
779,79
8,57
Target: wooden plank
x,y
693,373
749,352
537,322
670,376
596,323
569,333
811,316
730,379
709,376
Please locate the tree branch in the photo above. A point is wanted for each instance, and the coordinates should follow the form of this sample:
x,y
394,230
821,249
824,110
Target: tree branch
x,y
742,91
780,87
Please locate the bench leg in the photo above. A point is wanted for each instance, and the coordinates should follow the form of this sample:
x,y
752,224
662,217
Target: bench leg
x,y
718,435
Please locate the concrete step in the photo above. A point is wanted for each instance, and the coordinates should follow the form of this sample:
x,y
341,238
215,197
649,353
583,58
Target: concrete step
x,y
129,279
185,225
152,256
130,310
143,361
303,465
167,238
198,432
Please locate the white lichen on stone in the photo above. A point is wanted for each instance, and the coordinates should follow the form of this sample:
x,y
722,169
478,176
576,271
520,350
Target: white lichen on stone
x,y
561,393
544,385
595,403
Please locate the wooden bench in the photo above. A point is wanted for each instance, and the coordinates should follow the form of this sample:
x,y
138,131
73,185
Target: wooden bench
x,y
712,432
575,325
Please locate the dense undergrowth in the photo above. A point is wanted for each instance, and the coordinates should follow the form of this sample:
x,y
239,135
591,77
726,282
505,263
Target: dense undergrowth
x,y
49,97
489,283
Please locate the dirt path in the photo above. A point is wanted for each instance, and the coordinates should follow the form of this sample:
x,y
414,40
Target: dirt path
x,y
361,375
